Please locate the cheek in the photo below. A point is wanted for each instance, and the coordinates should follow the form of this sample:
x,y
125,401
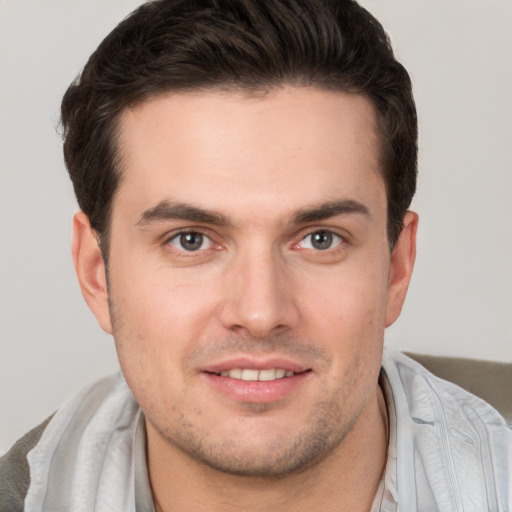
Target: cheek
x,y
159,302
148,341
158,318
347,316
348,298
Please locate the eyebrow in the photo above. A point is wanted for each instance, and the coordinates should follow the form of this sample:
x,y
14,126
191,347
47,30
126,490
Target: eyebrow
x,y
330,209
170,210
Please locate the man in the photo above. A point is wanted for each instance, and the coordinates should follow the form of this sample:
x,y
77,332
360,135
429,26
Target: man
x,y
244,171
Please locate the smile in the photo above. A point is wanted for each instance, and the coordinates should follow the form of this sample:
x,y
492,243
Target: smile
x,y
248,374
257,382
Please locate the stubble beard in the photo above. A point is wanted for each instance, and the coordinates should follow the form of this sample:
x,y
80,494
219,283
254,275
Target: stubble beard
x,y
287,453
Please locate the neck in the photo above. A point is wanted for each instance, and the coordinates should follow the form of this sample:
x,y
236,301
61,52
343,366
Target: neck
x,y
346,480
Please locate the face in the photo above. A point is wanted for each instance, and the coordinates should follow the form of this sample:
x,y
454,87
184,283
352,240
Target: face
x,y
250,273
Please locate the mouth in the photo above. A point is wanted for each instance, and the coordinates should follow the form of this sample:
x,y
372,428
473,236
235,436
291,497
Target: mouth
x,y
257,382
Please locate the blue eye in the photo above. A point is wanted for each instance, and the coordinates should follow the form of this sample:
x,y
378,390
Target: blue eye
x,y
321,240
190,241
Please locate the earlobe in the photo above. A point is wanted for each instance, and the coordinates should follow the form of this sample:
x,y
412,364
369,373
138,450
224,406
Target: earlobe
x,y
90,270
402,263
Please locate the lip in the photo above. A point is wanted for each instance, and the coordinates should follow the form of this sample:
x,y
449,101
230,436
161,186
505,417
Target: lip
x,y
262,392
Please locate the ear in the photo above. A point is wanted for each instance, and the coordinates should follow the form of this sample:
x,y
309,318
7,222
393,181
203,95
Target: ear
x,y
402,263
90,269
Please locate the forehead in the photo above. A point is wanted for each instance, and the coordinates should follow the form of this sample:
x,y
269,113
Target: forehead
x,y
285,148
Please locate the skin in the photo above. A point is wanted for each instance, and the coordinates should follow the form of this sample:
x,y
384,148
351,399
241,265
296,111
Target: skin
x,y
257,177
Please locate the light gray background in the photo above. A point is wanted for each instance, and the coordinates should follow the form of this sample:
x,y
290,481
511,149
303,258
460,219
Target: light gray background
x,y
460,301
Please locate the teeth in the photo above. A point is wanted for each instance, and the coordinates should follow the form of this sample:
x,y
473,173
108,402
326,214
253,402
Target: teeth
x,y
235,374
250,374
257,375
267,375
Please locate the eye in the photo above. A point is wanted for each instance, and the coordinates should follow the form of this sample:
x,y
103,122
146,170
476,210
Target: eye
x,y
320,240
190,241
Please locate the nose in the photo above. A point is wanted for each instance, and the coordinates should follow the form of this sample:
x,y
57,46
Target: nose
x,y
259,296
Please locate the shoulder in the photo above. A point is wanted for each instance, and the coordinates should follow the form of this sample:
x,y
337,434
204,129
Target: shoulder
x,y
15,472
425,393
452,448
53,451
